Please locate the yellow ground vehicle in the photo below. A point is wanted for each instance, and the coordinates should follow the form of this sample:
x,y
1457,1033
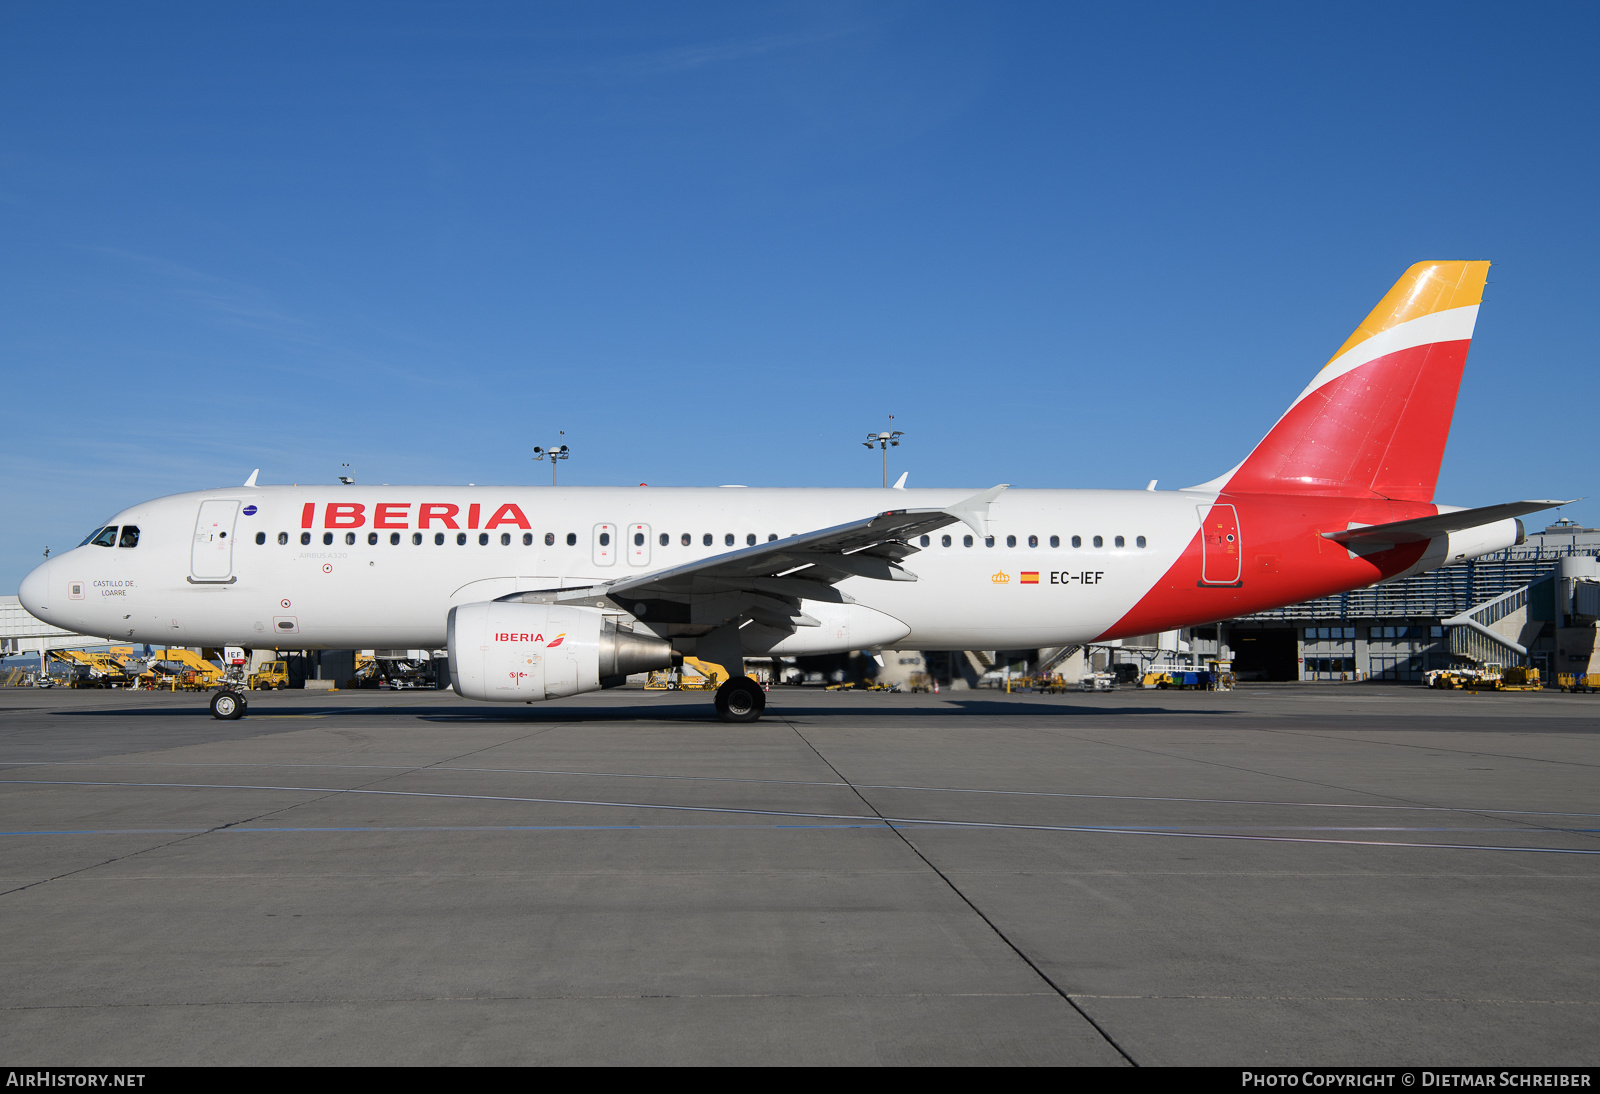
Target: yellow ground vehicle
x,y
1488,677
1518,678
1588,681
703,677
91,670
273,676
699,677
1048,683
186,671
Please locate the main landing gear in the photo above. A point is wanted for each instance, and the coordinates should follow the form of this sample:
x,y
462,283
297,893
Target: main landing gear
x,y
227,705
740,700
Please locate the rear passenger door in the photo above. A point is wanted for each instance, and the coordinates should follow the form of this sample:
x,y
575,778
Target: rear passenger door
x,y
1222,551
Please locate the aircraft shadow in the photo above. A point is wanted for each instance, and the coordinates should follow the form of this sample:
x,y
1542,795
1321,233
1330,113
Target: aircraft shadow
x,y
957,708
642,712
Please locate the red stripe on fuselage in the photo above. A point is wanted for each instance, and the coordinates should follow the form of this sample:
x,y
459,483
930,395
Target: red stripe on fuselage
x,y
1285,561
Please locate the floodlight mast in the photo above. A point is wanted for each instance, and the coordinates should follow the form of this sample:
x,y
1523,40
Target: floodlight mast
x,y
555,455
884,441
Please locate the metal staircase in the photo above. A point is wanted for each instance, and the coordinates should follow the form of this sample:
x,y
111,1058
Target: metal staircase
x,y
1471,635
1049,664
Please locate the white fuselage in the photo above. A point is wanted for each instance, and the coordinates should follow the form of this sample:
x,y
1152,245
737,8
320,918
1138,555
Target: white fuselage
x,y
363,567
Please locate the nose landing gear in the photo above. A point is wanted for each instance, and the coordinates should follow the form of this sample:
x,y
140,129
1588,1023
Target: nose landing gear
x,y
227,705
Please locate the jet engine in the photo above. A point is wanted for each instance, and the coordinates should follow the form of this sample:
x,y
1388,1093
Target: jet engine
x,y
520,653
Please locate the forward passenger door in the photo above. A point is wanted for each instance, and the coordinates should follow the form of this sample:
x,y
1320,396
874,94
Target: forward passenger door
x,y
211,557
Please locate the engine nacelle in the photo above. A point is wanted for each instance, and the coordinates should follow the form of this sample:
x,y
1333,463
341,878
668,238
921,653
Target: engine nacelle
x,y
520,653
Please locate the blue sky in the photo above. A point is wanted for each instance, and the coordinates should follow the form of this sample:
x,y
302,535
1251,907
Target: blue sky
x,y
1064,246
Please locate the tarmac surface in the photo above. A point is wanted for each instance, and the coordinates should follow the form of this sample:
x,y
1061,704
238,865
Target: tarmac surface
x,y
1294,875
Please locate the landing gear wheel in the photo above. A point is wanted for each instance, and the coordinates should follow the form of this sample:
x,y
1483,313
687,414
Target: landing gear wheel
x,y
740,700
227,705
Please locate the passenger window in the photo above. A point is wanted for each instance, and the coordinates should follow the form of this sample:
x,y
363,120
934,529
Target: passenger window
x,y
924,541
305,539
1139,542
261,537
944,541
665,539
572,539
727,540
988,541
750,540
1077,541
130,536
1119,541
107,537
549,539
772,537
438,539
1055,541
461,539
1033,541
416,539
349,539
527,539
327,539
505,539
483,539
394,539
1011,541
685,539
966,541
707,539
372,539
1098,542
605,539
283,537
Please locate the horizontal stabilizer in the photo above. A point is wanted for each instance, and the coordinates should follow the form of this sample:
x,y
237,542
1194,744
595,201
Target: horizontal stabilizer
x,y
1425,528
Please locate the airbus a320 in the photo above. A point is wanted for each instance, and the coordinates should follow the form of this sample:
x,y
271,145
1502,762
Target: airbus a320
x,y
545,593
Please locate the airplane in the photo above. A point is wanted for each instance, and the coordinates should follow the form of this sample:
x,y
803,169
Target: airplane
x,y
540,594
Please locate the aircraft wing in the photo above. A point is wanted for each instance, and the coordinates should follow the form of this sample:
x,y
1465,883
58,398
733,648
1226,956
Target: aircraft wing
x,y
1424,528
768,581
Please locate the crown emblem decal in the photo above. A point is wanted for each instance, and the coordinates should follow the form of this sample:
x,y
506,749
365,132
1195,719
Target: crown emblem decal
x,y
1000,578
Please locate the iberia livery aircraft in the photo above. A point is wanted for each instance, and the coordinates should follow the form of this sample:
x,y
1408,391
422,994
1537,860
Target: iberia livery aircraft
x,y
544,593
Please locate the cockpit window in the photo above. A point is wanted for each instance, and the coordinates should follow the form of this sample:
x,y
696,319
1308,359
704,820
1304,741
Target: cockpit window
x,y
106,537
130,536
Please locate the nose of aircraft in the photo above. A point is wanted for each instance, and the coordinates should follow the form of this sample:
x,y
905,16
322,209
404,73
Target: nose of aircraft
x,y
34,592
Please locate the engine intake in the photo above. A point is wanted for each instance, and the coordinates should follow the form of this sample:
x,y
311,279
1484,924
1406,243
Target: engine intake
x,y
520,653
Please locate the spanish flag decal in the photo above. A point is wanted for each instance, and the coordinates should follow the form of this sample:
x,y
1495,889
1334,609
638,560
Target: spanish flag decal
x,y
1030,577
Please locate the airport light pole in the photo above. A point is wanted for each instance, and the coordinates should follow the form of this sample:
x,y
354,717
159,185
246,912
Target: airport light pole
x,y
884,441
555,455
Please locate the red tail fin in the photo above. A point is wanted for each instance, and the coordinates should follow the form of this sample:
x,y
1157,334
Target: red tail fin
x,y
1374,421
